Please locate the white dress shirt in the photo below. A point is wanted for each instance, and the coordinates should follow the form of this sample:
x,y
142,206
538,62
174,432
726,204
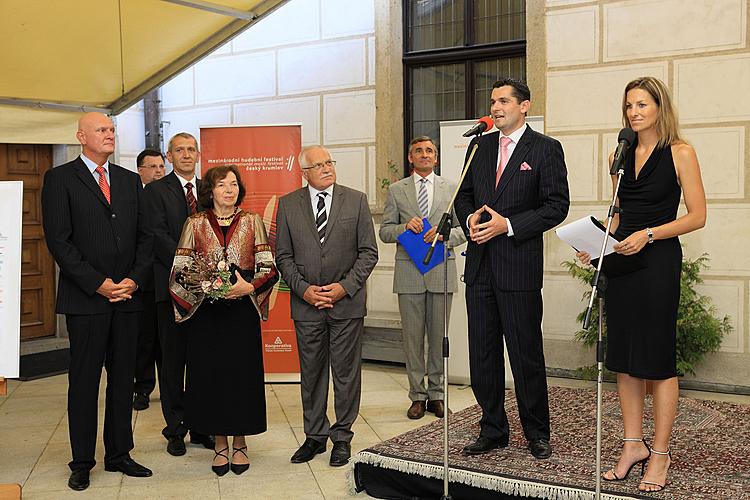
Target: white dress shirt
x,y
314,199
91,164
194,189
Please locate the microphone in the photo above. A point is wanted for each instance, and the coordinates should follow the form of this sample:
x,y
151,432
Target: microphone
x,y
484,123
625,139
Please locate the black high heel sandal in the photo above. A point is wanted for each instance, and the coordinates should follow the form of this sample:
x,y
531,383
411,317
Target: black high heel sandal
x,y
220,470
659,487
642,462
239,468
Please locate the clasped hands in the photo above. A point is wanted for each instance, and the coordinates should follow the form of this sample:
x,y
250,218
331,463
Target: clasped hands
x,y
485,231
117,292
629,246
240,287
323,297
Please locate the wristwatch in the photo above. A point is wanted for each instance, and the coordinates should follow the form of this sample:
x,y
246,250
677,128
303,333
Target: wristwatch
x,y
650,234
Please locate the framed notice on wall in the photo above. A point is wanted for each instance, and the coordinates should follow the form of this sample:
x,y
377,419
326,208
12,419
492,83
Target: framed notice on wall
x,y
11,206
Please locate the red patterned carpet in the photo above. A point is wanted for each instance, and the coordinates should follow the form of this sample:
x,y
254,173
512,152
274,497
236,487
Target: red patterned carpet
x,y
710,450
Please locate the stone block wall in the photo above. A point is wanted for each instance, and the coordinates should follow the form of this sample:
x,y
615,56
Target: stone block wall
x,y
699,49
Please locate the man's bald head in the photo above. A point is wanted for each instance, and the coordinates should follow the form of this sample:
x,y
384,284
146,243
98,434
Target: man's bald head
x,y
96,133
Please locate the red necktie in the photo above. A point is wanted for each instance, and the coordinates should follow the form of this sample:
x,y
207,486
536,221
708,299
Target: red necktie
x,y
504,157
103,181
190,198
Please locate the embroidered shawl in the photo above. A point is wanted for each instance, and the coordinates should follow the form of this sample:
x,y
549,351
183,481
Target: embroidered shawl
x,y
245,245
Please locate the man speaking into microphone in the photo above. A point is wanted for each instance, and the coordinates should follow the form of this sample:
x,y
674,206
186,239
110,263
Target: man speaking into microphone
x,y
516,189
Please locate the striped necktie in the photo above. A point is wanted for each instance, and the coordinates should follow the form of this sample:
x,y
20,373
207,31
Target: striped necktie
x,y
190,198
422,199
320,217
103,181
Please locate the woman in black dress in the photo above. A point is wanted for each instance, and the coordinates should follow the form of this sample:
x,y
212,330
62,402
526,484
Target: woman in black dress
x,y
642,305
224,393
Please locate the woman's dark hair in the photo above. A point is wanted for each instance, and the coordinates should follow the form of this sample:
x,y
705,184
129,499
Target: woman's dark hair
x,y
211,178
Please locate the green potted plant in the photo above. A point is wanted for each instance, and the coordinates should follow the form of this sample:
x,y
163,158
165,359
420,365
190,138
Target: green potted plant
x,y
699,329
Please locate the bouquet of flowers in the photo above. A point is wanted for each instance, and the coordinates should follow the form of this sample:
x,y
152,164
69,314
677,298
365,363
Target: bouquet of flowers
x,y
206,274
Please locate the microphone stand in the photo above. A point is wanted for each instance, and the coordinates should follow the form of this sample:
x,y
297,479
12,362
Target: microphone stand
x,y
444,230
599,284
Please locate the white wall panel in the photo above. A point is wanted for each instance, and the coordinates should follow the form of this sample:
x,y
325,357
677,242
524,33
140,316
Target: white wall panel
x,y
349,117
305,110
323,66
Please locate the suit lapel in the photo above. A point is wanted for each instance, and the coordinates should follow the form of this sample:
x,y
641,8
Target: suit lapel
x,y
175,186
514,162
336,202
411,194
88,180
437,196
307,212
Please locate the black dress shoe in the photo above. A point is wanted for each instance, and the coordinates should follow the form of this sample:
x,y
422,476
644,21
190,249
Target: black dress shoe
x,y
176,446
540,448
140,401
483,445
208,442
340,453
129,467
79,480
308,450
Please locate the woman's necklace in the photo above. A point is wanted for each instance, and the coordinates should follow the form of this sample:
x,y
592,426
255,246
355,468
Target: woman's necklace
x,y
228,217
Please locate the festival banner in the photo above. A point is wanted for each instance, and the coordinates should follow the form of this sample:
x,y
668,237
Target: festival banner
x,y
266,157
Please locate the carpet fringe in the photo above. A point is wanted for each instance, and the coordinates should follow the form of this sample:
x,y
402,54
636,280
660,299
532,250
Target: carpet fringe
x,y
500,484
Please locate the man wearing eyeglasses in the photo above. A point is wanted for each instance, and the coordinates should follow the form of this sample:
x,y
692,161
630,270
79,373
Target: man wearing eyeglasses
x,y
325,251
421,297
150,165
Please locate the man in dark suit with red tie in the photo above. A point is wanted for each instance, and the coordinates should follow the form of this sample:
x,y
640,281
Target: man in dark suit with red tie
x,y
515,190
94,221
171,200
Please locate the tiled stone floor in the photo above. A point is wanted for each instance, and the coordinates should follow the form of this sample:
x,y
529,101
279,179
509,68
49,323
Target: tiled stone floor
x,y
34,448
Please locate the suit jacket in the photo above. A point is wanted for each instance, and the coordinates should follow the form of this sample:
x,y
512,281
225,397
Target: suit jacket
x,y
400,207
535,200
92,240
348,253
168,211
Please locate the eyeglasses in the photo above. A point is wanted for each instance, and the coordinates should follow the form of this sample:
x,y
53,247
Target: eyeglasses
x,y
318,166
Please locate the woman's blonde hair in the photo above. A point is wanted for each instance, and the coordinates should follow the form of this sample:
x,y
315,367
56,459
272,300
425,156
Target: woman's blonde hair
x,y
667,125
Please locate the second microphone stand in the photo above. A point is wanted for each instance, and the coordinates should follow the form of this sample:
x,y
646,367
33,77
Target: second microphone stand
x,y
444,230
598,287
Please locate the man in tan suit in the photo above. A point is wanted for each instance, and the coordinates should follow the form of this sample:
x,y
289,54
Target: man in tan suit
x,y
421,296
325,251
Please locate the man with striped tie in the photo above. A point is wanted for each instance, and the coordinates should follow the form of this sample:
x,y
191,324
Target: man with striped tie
x,y
422,195
172,199
325,251
94,219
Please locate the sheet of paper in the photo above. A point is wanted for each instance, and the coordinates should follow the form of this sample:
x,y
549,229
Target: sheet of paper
x,y
585,235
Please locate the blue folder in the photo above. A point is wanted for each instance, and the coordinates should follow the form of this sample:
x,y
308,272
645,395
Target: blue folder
x,y
416,247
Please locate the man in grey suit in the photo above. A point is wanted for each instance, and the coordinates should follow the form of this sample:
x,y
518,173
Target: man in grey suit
x,y
421,298
325,251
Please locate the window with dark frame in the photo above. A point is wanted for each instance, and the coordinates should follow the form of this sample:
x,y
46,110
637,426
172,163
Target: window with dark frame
x,y
454,50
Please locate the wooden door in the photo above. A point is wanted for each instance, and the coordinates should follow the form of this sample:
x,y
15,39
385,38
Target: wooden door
x,y
28,163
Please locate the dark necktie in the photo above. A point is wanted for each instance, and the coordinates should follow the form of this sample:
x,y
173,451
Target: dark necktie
x,y
320,216
190,198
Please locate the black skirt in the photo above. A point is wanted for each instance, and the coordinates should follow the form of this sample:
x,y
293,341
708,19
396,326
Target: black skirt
x,y
224,389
